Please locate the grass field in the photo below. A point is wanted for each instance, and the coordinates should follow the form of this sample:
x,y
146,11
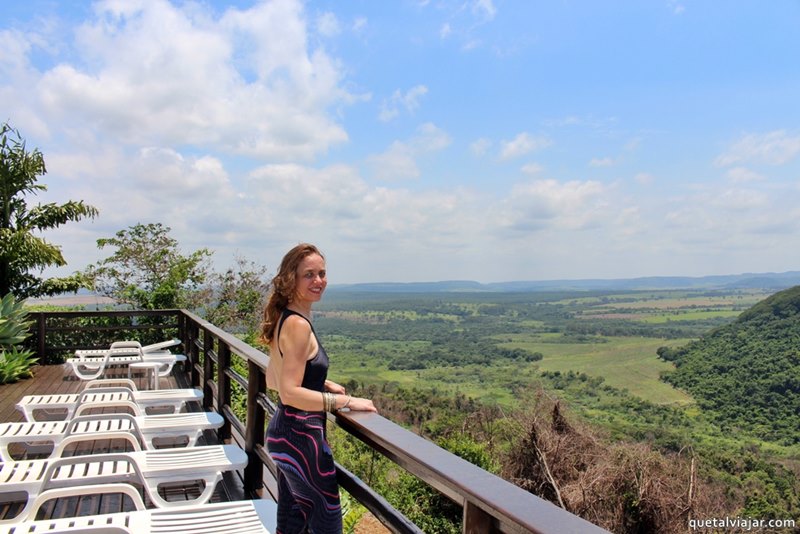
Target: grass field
x,y
488,384
672,300
625,363
688,316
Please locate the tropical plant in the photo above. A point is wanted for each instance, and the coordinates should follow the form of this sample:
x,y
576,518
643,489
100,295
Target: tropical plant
x,y
14,322
21,251
15,363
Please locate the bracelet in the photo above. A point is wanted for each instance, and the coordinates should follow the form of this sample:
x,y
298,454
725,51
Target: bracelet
x,y
346,404
328,401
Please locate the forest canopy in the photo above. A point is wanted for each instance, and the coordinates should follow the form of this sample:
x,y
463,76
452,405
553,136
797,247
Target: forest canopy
x,y
747,373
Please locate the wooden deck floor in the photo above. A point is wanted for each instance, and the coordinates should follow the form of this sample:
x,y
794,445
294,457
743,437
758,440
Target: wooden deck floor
x,y
53,379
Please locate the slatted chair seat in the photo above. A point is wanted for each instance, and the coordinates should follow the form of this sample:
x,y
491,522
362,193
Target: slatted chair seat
x,y
106,392
138,430
237,517
150,469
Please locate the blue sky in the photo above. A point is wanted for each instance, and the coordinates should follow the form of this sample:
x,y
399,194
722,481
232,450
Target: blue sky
x,y
422,140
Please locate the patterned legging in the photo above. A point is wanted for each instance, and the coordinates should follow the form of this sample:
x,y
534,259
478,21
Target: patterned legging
x,y
308,495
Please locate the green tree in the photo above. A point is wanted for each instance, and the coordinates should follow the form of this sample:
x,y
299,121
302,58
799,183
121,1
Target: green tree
x,y
148,271
21,251
237,297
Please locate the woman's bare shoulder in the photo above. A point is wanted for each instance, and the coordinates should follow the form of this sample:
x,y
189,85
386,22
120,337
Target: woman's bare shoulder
x,y
296,325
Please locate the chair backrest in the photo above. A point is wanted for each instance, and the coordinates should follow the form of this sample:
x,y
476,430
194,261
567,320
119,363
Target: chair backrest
x,y
133,430
73,491
110,382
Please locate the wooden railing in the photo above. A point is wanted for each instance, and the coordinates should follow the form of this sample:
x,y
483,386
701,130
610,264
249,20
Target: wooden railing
x,y
215,359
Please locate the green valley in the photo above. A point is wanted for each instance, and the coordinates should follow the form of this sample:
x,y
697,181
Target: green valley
x,y
476,364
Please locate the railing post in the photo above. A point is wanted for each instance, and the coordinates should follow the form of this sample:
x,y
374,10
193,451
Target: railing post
x,y
208,372
182,333
41,327
223,387
193,352
475,520
254,432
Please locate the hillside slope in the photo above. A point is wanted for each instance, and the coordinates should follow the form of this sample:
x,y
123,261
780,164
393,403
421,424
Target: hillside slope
x,y
747,374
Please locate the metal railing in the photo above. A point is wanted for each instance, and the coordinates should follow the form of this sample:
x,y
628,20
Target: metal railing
x,y
215,358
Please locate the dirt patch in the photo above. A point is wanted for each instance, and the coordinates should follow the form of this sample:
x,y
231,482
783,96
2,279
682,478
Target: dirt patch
x,y
368,524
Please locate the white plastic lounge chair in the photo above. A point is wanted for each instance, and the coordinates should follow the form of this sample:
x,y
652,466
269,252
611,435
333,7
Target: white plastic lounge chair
x,y
128,348
138,430
106,392
151,469
92,367
236,517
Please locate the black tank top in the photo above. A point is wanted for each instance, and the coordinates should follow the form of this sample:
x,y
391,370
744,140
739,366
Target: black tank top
x,y
316,371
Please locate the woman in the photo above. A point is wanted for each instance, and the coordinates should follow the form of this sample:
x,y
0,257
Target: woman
x,y
308,496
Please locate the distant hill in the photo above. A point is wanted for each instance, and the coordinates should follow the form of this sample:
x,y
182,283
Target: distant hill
x,y
747,374
773,281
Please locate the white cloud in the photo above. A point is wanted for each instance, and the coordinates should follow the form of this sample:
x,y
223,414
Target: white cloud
x,y
532,169
471,44
360,24
542,204
328,25
629,222
601,162
175,176
743,175
399,161
772,148
676,7
337,205
464,21
484,8
429,138
570,120
644,178
633,144
247,82
728,222
409,101
523,144
481,146
737,200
